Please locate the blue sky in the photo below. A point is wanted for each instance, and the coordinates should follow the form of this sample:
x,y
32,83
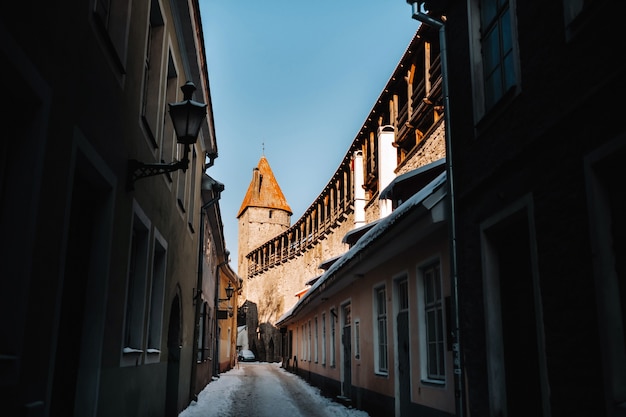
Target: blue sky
x,y
294,81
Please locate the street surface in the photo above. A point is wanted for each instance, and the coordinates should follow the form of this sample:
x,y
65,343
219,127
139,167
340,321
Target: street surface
x,y
260,389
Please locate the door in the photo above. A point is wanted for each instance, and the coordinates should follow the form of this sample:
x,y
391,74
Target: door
x,y
83,301
404,363
404,348
173,360
346,337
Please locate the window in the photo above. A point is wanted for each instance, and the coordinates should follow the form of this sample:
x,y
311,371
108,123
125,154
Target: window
x,y
380,331
302,345
156,298
494,49
168,138
497,43
324,339
113,17
192,171
205,338
433,347
403,294
308,345
571,9
150,107
315,352
136,288
574,12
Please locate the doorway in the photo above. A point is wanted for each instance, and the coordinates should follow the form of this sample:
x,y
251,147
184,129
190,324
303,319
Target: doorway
x,y
173,359
404,347
83,293
516,365
346,338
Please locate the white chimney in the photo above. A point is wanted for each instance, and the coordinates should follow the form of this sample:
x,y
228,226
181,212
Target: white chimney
x,y
387,162
359,191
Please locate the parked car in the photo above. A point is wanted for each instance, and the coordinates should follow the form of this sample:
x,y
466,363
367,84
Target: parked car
x,y
246,355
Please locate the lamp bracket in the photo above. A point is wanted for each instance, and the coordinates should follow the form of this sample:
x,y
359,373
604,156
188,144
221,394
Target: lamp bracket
x,y
138,170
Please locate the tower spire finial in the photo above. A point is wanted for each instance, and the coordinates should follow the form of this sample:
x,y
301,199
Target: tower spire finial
x,y
262,148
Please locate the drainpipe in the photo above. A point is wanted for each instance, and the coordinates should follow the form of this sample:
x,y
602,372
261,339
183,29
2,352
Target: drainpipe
x,y
208,184
456,348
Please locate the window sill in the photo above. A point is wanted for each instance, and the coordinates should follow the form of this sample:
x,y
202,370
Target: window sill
x,y
433,382
129,351
153,351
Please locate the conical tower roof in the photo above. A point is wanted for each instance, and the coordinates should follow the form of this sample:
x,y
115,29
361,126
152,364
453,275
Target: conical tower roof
x,y
264,191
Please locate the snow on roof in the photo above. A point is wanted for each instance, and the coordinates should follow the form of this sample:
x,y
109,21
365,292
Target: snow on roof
x,y
381,227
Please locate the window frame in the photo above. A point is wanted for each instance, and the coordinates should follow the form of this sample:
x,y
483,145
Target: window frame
x,y
133,337
112,19
308,345
425,307
154,326
477,46
154,73
380,330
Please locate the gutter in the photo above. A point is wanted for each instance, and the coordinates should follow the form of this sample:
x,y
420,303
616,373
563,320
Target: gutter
x,y
419,15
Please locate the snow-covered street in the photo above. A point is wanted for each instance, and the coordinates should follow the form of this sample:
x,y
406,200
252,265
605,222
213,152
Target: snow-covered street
x,y
260,389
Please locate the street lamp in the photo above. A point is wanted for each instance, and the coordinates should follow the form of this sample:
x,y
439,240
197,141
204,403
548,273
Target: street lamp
x,y
229,292
187,117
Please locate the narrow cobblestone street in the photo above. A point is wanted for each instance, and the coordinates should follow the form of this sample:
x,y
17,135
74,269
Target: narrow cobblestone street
x,y
260,389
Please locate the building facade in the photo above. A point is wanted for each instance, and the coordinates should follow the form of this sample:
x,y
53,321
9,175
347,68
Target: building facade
x,y
539,216
372,331
101,208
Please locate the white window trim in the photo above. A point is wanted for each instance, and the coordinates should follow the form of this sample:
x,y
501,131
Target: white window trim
x,y
376,348
421,308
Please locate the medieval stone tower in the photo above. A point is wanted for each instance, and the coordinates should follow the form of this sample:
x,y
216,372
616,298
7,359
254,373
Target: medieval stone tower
x,y
264,213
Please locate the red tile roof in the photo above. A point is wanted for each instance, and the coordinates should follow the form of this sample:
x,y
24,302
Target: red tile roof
x,y
264,191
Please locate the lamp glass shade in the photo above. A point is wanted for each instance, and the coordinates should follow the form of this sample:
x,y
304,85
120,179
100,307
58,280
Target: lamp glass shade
x,y
187,117
229,291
